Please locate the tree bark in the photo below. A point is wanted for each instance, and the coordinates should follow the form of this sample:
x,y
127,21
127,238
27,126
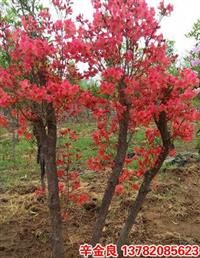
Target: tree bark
x,y
148,177
116,171
52,179
48,141
138,203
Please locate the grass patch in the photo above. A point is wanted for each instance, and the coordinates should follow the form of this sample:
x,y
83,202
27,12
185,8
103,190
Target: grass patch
x,y
87,177
24,166
18,166
83,146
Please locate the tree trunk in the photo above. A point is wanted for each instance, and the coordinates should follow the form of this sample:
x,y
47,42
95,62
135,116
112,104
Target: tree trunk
x,y
54,202
52,179
14,141
148,177
135,208
116,171
48,142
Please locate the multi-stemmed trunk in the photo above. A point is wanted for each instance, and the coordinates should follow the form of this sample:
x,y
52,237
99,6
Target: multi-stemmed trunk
x,y
138,202
116,171
148,177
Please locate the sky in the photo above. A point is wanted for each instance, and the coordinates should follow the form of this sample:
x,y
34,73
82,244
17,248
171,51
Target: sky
x,y
185,13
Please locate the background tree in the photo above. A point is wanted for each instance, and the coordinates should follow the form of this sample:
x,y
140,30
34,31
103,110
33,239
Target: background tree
x,y
194,58
193,61
195,32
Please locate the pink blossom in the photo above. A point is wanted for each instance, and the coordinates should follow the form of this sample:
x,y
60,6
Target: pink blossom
x,y
195,62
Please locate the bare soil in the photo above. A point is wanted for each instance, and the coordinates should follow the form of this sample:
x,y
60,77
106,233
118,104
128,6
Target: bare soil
x,y
171,215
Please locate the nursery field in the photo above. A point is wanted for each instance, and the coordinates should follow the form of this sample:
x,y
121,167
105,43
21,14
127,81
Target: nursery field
x,y
170,215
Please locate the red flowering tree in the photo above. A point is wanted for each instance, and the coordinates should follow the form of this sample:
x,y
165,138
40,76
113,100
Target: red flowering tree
x,y
35,84
123,44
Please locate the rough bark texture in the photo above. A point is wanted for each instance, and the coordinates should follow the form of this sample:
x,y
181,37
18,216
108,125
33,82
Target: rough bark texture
x,y
48,138
116,171
148,177
52,179
40,156
138,203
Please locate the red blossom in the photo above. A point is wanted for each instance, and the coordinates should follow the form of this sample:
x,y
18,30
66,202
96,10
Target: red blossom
x,y
119,189
3,121
65,216
59,162
135,186
40,191
76,185
60,173
83,198
73,175
61,187
94,164
28,136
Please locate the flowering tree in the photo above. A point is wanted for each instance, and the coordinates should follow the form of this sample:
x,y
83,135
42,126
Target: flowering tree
x,y
124,45
35,84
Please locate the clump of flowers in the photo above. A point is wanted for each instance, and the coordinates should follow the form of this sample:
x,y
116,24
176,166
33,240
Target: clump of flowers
x,y
195,59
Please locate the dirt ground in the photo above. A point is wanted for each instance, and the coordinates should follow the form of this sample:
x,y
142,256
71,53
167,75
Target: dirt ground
x,y
171,215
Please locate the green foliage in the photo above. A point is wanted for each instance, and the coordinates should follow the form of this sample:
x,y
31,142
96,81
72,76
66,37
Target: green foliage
x,y
170,47
4,59
186,62
90,85
84,84
171,53
195,32
12,11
